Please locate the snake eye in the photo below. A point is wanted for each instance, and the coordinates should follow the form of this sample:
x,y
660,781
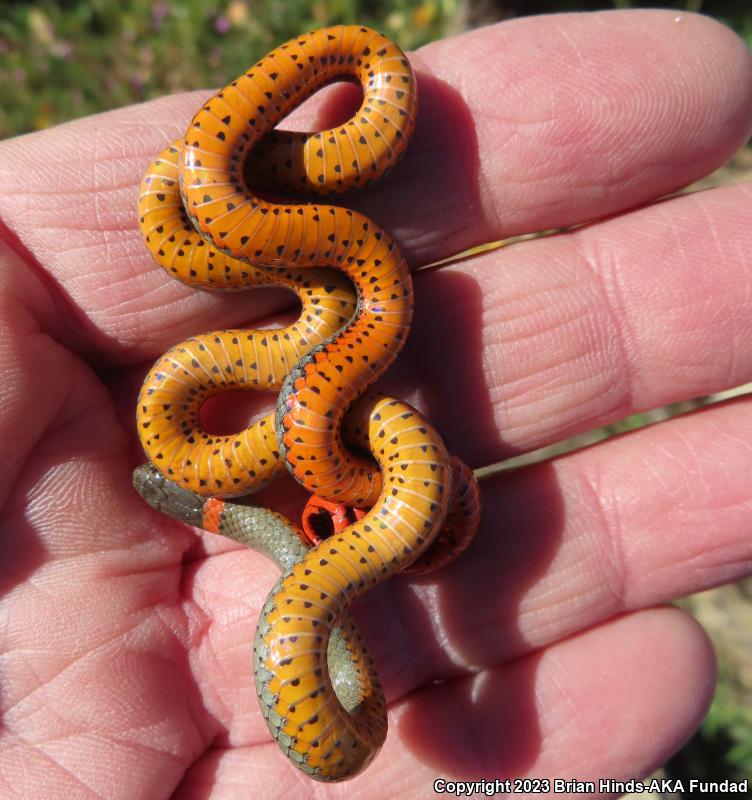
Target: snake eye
x,y
322,518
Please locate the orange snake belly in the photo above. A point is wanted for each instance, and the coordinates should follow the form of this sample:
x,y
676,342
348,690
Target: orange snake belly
x,y
204,224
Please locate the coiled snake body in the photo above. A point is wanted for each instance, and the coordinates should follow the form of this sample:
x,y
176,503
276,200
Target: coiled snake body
x,y
316,684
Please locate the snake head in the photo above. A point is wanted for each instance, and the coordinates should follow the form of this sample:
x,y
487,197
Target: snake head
x,y
166,496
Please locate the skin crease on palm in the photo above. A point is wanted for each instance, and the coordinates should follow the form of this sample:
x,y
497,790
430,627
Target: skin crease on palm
x,y
545,650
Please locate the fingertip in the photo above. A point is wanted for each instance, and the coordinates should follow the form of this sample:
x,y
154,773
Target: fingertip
x,y
614,700
586,115
682,649
654,673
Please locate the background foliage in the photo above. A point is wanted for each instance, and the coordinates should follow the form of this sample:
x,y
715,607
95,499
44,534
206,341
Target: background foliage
x,y
69,58
65,59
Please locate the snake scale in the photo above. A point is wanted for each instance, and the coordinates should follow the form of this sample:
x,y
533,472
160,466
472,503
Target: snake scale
x,y
205,225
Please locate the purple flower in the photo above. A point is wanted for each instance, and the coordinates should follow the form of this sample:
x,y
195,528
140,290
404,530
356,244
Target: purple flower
x,y
159,12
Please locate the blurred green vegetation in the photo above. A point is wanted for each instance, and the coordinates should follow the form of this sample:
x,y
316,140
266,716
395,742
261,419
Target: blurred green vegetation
x,y
61,59
65,59
69,58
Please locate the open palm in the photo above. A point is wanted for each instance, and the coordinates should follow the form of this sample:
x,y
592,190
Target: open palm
x,y
126,637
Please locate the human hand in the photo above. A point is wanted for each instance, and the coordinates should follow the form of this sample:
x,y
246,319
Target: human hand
x,y
127,638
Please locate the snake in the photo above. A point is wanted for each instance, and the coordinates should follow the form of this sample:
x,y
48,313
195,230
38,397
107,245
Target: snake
x,y
206,217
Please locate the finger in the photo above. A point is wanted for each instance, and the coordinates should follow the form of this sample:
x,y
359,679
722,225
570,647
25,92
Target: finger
x,y
547,127
638,520
526,346
493,159
641,683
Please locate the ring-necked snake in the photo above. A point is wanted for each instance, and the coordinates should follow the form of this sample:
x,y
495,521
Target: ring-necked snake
x,y
204,224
